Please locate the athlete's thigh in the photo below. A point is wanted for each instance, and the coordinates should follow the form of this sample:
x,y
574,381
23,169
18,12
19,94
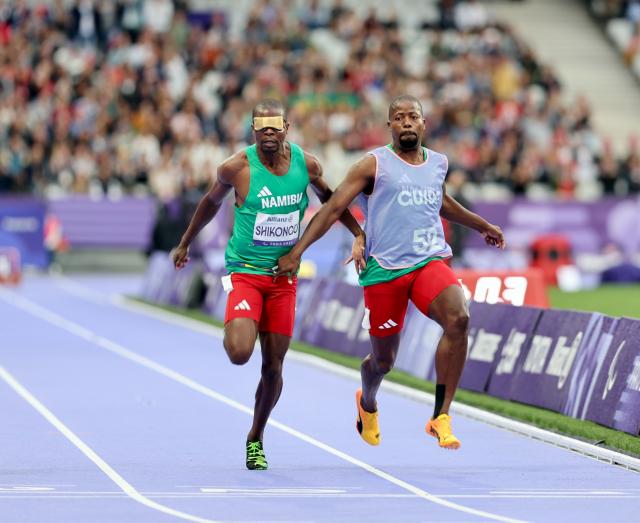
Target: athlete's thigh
x,y
448,305
240,335
279,307
385,306
245,298
436,290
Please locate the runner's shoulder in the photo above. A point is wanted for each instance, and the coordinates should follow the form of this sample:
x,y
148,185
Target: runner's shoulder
x,y
236,165
365,166
314,167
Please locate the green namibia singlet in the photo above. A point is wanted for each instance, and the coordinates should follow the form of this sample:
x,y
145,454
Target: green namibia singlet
x,y
267,225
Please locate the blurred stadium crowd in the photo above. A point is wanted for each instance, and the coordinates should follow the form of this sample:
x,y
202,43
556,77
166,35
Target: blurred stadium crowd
x,y
139,96
621,22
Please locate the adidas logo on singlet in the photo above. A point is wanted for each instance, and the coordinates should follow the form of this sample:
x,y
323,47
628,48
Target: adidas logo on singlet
x,y
269,200
264,192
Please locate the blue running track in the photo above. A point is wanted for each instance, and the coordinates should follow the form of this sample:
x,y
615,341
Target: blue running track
x,y
111,414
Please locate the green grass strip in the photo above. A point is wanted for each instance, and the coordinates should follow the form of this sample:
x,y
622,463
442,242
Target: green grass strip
x,y
545,419
614,300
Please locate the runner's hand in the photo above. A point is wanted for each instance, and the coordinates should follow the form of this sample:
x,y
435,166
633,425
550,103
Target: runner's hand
x,y
357,253
180,256
493,236
287,266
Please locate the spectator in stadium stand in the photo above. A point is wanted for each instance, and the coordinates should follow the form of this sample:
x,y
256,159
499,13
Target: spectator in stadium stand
x,y
118,82
470,14
610,169
631,166
633,47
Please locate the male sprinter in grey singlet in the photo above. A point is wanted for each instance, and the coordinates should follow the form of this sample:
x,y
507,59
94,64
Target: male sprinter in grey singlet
x,y
404,196
270,181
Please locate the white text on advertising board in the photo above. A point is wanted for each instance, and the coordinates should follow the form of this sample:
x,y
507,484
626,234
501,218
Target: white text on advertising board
x,y
493,289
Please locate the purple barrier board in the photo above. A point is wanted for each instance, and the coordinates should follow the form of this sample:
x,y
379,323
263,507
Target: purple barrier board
x,y
615,401
588,365
126,222
157,285
311,328
420,337
22,227
487,336
541,378
215,301
588,225
306,301
329,252
627,415
335,319
517,332
182,283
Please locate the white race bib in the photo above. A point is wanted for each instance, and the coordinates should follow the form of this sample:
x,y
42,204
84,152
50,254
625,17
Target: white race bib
x,y
277,230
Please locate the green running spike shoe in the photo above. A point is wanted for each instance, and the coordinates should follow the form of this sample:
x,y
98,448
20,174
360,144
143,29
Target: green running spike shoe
x,y
256,459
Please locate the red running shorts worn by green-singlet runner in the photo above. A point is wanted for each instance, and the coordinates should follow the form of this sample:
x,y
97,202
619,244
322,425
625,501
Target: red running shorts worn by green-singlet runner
x,y
271,304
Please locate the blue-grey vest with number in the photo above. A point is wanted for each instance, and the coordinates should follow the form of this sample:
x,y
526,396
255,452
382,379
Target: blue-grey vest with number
x,y
402,213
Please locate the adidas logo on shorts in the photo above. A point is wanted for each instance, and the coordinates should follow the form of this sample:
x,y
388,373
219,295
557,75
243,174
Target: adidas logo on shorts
x,y
264,192
242,306
388,324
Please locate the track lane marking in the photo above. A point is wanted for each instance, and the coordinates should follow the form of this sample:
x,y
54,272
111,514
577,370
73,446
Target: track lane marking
x,y
126,487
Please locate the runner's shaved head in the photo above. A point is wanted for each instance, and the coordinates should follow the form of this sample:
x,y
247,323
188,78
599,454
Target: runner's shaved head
x,y
399,100
269,106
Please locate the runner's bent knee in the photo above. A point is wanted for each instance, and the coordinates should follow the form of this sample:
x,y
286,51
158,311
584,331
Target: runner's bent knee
x,y
384,365
272,371
457,324
238,354
239,345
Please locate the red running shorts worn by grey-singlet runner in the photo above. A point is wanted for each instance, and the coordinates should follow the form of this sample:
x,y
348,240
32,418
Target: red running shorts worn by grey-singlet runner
x,y
405,239
266,227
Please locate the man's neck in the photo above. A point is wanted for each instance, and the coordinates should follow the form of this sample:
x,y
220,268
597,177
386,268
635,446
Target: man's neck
x,y
414,155
273,159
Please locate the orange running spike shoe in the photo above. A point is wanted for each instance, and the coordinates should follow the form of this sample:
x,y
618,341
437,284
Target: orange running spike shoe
x,y
441,428
367,423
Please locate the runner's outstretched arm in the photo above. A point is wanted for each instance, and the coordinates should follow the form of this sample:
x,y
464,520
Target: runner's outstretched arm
x,y
452,211
205,212
359,177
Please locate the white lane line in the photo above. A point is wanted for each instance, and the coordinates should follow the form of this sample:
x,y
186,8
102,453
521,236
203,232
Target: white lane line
x,y
126,487
291,491
407,496
25,489
102,342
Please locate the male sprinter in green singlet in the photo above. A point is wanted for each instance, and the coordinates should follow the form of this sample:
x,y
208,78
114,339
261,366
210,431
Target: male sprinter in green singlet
x,y
270,181
404,196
